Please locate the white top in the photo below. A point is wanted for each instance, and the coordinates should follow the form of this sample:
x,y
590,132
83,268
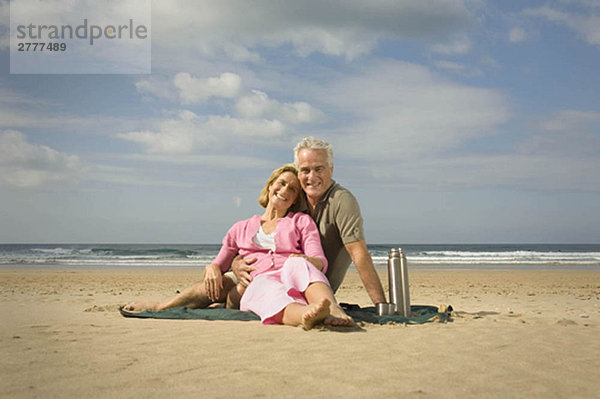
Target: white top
x,y
264,240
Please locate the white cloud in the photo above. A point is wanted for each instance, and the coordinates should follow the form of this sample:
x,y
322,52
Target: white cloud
x,y
516,170
346,28
350,43
458,68
11,97
561,155
194,90
239,53
567,133
191,133
408,126
258,128
157,87
222,162
489,62
584,3
517,35
404,110
133,177
587,24
191,90
571,120
169,142
252,104
21,111
257,116
459,46
575,145
45,119
28,165
258,104
450,65
175,136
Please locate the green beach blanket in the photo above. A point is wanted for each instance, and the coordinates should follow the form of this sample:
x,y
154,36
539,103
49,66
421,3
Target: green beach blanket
x,y
368,315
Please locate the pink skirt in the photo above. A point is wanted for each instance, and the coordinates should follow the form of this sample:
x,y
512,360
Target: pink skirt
x,y
270,292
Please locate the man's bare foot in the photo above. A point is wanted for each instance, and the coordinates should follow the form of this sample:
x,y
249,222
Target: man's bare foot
x,y
315,314
338,317
141,306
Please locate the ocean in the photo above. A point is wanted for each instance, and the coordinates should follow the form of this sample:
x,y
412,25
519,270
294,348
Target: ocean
x,y
193,256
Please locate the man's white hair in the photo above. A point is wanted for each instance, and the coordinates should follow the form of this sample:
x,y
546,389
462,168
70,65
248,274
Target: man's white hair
x,y
314,144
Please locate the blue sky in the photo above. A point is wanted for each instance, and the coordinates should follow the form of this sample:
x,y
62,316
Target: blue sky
x,y
451,121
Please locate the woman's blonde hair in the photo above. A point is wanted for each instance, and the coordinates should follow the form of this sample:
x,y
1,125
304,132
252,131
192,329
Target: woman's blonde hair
x,y
263,198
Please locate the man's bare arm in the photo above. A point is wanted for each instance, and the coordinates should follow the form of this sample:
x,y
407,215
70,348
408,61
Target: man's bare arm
x,y
366,270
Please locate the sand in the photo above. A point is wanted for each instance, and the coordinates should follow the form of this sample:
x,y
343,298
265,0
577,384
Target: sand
x,y
530,334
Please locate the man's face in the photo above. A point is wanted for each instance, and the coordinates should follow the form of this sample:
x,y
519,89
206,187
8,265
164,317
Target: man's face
x,y
314,172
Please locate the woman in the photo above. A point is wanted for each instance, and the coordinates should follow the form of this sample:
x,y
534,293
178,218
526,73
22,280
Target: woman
x,y
289,285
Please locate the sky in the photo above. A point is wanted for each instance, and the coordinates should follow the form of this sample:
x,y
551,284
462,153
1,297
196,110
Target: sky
x,y
451,121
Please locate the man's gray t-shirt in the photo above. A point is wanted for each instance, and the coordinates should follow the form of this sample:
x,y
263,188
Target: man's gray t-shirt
x,y
340,222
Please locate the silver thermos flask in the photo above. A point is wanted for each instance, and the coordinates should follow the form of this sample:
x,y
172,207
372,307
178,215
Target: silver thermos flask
x,y
398,282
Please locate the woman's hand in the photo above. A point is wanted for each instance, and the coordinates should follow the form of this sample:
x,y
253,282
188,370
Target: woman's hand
x,y
318,263
213,282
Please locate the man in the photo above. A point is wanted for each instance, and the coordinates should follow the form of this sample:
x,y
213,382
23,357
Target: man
x,y
337,215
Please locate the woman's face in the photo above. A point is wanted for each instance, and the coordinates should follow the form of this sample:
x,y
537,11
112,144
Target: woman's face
x,y
284,190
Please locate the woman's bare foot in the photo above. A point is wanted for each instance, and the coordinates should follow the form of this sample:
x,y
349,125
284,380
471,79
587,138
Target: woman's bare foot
x,y
315,314
338,317
141,306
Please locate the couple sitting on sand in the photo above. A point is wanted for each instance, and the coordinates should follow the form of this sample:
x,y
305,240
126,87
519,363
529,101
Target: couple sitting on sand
x,y
286,268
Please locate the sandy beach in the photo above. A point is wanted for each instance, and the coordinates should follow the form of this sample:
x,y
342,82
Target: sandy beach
x,y
527,334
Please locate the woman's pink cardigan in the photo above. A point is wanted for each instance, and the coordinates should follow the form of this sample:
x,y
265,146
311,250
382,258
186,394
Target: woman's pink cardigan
x,y
296,233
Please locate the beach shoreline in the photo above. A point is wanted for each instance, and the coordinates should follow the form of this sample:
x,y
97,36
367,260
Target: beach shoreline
x,y
514,333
